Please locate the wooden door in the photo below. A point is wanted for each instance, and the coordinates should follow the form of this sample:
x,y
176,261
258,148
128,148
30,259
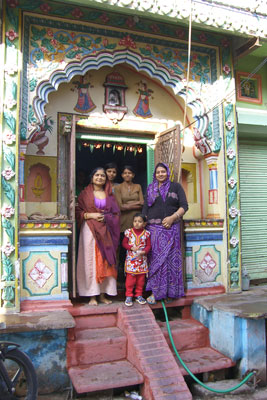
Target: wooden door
x,y
168,150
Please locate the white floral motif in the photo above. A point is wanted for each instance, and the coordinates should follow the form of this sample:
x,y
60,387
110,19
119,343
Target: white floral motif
x,y
11,69
234,241
232,182
8,173
10,102
233,212
231,153
8,249
40,273
207,264
8,211
229,125
9,137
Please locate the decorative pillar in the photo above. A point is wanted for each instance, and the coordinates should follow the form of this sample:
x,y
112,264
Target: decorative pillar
x,y
9,144
213,209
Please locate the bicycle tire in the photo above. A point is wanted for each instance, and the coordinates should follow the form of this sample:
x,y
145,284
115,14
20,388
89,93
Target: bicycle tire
x,y
18,363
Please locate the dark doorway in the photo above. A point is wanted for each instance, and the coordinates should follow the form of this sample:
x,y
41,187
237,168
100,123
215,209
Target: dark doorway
x,y
90,154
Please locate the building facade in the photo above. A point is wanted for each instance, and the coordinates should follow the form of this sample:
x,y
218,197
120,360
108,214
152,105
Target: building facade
x,y
84,83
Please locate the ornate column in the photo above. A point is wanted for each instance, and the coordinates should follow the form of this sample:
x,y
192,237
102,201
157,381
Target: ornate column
x,y
10,78
213,209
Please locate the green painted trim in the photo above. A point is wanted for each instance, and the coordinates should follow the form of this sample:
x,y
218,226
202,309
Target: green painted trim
x,y
252,117
150,163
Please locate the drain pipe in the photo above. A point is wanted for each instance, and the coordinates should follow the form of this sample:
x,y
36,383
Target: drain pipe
x,y
253,373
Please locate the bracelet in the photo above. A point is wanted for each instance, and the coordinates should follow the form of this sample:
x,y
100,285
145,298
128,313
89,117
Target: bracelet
x,y
178,215
85,214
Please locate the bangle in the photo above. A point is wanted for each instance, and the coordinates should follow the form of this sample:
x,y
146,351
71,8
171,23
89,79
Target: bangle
x,y
178,215
85,214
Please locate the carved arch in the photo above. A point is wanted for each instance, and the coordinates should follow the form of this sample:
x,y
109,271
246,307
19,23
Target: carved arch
x,y
110,59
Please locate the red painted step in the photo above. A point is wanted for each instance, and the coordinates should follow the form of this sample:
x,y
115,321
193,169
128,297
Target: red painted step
x,y
96,346
186,333
203,359
90,378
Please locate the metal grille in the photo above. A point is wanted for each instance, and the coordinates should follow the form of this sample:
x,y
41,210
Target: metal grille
x,y
253,195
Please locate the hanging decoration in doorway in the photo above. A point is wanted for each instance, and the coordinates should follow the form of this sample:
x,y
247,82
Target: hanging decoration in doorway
x,y
115,88
84,103
130,147
142,107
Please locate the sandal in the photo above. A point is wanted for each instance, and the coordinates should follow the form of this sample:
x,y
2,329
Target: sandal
x,y
151,300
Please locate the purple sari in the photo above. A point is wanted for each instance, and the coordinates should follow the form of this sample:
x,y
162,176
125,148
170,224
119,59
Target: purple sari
x,y
165,273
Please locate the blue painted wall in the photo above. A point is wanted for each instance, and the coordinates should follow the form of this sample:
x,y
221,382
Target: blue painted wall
x,y
47,350
241,339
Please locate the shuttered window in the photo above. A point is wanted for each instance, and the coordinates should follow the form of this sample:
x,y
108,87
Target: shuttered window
x,y
253,192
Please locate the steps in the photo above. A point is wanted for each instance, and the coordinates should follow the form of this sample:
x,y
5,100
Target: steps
x,y
104,376
97,351
191,339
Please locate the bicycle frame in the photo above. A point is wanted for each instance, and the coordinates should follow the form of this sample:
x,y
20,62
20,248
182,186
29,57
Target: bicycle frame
x,y
5,347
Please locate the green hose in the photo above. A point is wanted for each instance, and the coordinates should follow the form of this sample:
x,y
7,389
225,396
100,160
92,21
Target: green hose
x,y
188,370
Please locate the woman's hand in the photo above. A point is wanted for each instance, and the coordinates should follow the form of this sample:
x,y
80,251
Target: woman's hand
x,y
168,221
135,248
97,216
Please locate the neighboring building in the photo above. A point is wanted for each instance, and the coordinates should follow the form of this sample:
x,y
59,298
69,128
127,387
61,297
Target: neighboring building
x,y
84,83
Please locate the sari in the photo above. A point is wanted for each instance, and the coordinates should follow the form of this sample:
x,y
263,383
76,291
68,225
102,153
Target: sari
x,y
165,274
98,243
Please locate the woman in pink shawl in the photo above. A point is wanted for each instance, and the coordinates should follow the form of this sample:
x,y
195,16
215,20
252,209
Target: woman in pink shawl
x,y
165,204
97,215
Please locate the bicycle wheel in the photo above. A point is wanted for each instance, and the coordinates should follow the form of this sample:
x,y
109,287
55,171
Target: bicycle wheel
x,y
22,373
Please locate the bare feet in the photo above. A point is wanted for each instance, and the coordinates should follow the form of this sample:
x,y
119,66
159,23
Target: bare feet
x,y
93,301
103,299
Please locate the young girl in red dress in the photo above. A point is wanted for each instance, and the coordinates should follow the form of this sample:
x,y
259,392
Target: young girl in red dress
x,y
137,243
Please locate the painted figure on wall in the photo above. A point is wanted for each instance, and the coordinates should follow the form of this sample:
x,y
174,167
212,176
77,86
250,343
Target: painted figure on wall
x,y
39,137
142,107
84,103
39,183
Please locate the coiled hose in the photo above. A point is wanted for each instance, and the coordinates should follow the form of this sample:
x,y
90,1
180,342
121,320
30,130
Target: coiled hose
x,y
188,370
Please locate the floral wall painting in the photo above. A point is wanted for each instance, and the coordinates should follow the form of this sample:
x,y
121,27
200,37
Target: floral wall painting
x,y
249,88
84,102
142,107
39,135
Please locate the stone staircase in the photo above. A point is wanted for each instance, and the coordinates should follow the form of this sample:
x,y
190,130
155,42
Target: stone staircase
x,y
97,351
115,346
191,339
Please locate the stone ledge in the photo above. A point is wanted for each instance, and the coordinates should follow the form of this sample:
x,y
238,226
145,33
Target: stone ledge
x,y
249,304
27,322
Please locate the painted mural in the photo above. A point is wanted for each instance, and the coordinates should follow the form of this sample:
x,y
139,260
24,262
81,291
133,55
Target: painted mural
x,y
84,102
142,107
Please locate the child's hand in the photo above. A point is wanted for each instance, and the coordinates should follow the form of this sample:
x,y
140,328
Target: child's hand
x,y
135,248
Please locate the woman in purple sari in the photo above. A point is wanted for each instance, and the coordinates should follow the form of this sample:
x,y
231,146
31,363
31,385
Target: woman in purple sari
x,y
164,206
